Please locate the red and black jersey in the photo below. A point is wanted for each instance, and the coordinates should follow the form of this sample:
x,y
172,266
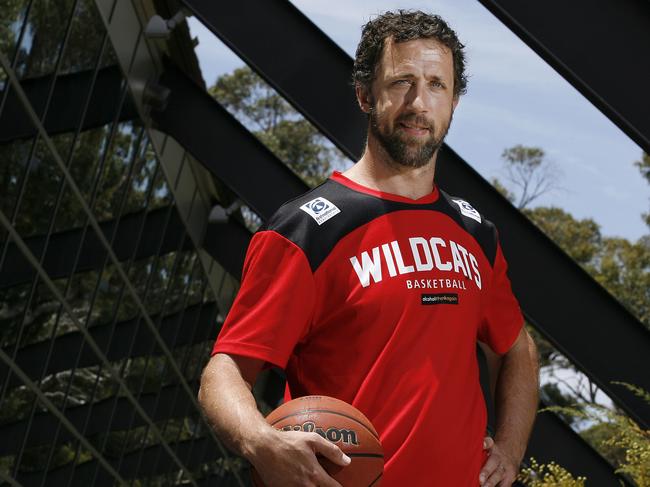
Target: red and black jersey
x,y
379,300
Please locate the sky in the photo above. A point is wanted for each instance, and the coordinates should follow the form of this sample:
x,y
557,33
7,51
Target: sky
x,y
513,98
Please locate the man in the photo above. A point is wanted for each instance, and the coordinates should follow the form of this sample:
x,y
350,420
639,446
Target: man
x,y
374,288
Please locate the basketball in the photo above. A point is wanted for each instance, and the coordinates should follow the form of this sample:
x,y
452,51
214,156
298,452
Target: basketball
x,y
343,425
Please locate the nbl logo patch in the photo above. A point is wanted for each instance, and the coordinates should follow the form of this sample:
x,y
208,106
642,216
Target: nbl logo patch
x,y
320,209
467,210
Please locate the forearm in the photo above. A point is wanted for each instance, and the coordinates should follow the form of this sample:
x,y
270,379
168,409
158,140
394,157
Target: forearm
x,y
517,397
229,406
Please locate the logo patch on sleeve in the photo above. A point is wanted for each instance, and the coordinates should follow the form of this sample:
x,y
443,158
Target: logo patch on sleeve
x,y
320,209
467,210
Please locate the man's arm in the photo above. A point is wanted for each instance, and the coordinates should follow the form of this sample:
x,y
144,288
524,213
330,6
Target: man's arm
x,y
516,406
282,458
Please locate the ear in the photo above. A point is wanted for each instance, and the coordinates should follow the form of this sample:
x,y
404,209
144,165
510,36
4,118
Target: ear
x,y
363,98
454,103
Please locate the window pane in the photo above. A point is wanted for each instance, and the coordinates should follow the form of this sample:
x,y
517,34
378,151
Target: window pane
x,y
43,183
11,23
114,180
43,39
14,158
84,44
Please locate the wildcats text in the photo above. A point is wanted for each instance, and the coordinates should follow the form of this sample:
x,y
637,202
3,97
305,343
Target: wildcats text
x,y
423,255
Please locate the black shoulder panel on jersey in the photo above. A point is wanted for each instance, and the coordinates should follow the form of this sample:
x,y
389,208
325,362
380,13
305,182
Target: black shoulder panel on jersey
x,y
359,208
484,231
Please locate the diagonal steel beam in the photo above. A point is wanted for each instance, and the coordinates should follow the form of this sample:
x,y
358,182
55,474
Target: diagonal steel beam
x,y
226,148
597,46
541,273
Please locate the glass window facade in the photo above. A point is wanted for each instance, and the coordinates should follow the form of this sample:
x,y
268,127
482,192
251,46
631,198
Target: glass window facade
x,y
107,315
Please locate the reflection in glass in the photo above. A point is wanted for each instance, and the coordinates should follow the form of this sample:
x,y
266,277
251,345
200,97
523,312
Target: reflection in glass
x,y
115,170
13,302
161,196
12,21
3,80
84,170
14,158
143,174
44,34
85,40
42,185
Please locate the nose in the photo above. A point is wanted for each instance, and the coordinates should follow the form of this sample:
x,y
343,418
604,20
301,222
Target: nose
x,y
416,97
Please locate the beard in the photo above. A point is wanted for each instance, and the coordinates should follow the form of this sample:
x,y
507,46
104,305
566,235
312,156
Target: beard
x,y
403,149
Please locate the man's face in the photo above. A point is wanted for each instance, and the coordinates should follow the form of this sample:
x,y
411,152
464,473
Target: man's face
x,y
411,100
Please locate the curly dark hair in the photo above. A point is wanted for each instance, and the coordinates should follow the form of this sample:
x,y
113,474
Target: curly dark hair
x,y
402,26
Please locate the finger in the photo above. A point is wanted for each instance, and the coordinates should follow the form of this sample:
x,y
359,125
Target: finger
x,y
488,469
507,480
488,443
329,450
495,479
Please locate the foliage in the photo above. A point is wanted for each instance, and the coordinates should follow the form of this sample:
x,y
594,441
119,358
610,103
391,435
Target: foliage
x,y
620,266
644,168
624,436
277,124
548,475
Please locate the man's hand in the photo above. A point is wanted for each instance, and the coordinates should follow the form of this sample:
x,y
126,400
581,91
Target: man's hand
x,y
516,407
288,459
500,469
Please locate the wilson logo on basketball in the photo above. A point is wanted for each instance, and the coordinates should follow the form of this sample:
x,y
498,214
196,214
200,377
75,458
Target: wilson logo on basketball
x,y
332,434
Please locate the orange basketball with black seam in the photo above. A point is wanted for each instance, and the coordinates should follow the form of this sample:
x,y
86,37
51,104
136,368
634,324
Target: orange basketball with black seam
x,y
343,425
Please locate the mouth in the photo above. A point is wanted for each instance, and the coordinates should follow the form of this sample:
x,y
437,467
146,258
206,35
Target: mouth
x,y
414,129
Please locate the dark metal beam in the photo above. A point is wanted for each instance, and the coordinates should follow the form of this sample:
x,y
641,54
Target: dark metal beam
x,y
177,329
68,99
554,441
227,244
224,146
596,45
296,58
62,246
541,273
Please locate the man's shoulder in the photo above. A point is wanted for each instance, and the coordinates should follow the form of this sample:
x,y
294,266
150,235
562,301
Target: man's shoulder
x,y
318,219
473,221
309,211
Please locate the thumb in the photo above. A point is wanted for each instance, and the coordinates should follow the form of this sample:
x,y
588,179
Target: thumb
x,y
330,451
488,443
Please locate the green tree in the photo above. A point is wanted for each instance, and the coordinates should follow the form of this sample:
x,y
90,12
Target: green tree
x,y
277,124
644,167
530,172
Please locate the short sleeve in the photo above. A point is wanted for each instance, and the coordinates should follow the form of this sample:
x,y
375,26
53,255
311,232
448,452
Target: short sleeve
x,y
274,306
502,317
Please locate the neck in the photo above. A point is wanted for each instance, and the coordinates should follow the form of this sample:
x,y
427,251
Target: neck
x,y
376,170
